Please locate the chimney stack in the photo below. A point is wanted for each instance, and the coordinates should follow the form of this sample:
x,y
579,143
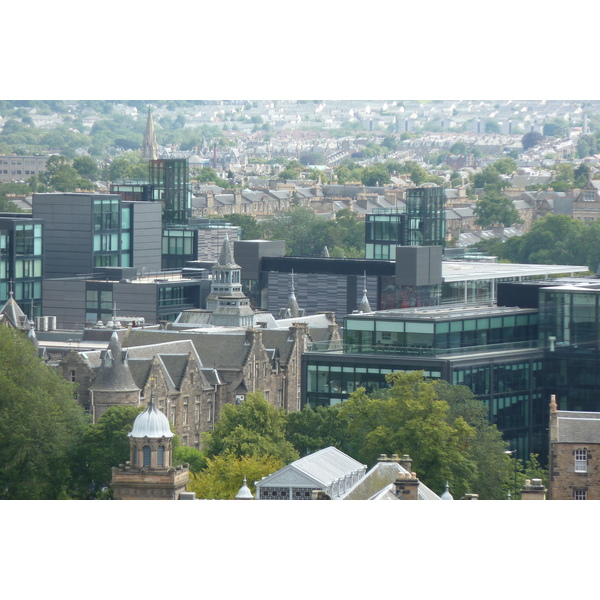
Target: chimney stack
x,y
533,490
407,486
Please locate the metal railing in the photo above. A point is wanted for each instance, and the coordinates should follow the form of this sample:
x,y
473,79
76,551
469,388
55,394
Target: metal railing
x,y
418,350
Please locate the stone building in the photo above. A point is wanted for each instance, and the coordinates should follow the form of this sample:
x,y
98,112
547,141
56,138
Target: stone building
x,y
574,467
149,474
113,384
587,204
194,373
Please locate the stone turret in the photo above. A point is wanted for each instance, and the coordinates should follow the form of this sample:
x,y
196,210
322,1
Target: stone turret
x,y
114,384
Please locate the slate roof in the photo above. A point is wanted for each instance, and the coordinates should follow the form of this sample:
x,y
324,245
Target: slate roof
x,y
114,374
579,427
380,479
12,313
220,349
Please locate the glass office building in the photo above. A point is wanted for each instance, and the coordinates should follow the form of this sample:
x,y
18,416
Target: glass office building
x,y
491,350
21,261
169,181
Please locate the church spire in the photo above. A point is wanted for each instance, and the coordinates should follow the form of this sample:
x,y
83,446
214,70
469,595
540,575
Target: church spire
x,y
150,148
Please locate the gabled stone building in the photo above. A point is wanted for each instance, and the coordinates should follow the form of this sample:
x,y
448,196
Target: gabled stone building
x,y
574,468
193,373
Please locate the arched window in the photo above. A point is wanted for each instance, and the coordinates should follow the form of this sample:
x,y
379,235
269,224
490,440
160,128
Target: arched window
x,y
146,450
160,457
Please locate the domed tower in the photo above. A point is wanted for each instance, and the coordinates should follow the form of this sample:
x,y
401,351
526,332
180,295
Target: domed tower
x,y
149,474
114,384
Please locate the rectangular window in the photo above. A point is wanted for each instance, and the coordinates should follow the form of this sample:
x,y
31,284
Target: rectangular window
x,y
581,461
579,494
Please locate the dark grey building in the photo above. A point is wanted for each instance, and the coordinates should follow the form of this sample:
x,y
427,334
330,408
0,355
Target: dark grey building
x,y
84,231
85,300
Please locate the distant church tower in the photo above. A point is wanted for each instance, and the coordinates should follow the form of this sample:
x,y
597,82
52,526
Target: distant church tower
x,y
229,305
149,474
150,147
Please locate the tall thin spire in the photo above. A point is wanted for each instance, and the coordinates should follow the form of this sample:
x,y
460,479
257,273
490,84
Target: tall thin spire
x,y
150,148
292,305
365,307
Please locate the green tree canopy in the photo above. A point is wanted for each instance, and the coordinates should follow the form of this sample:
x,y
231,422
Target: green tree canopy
x,y
224,475
40,423
251,228
506,165
494,209
300,227
409,418
531,139
252,428
104,445
86,166
311,430
556,240
458,148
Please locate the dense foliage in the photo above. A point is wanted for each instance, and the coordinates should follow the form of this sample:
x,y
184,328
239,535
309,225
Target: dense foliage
x,y
40,423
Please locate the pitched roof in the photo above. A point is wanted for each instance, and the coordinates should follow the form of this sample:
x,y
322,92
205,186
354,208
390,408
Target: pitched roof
x,y
380,479
323,468
579,427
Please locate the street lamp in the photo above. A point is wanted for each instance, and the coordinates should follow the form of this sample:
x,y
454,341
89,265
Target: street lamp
x,y
513,454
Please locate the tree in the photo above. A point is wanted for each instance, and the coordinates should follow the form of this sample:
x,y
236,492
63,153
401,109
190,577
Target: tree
x,y
458,148
251,228
40,423
418,175
581,174
558,240
252,428
494,209
104,445
586,146
489,177
129,165
531,139
194,458
311,430
505,165
67,179
409,418
301,229
493,472
375,175
224,475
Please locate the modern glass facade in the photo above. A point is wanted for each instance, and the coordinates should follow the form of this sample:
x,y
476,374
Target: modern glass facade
x,y
383,232
425,210
106,220
428,332
178,247
21,263
169,181
491,350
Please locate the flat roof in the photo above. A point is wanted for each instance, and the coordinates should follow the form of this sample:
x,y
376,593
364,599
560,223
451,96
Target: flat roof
x,y
443,313
469,271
